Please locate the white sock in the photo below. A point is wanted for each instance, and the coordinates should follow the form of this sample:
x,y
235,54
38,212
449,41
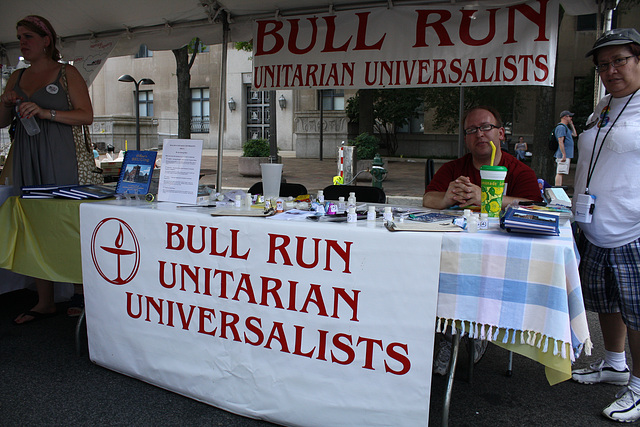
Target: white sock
x,y
617,361
634,384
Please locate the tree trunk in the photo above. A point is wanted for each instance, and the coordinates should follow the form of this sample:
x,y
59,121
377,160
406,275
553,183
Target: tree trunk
x,y
365,116
543,162
183,77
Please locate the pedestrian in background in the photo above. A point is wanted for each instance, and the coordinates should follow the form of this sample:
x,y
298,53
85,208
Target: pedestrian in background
x,y
565,131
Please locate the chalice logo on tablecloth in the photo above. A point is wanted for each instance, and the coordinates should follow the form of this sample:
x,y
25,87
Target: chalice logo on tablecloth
x,y
114,242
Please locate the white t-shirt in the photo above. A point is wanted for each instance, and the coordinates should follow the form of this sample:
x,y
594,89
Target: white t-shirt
x,y
614,182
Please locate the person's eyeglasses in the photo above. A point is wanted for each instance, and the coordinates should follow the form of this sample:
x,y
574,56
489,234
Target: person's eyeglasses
x,y
484,128
617,63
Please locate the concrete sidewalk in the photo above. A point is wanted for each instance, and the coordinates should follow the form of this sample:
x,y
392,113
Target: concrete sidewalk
x,y
404,183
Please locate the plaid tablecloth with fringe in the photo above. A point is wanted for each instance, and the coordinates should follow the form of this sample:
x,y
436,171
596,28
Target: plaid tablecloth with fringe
x,y
514,288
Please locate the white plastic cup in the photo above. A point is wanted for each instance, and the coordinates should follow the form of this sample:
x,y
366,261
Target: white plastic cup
x,y
271,177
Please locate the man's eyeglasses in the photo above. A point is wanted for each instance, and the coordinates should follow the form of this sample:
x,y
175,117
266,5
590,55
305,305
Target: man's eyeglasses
x,y
617,63
484,128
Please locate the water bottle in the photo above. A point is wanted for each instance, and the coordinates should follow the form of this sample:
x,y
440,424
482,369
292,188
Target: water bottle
x,y
351,201
30,124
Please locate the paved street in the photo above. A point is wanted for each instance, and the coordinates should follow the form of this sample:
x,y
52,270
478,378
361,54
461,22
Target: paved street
x,y
45,383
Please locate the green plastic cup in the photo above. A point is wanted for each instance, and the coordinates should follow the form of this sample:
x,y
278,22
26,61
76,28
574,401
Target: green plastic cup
x,y
492,187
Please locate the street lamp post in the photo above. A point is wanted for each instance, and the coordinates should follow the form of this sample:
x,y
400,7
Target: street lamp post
x,y
128,78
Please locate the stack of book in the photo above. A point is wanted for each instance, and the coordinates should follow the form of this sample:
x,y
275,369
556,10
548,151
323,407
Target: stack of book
x,y
111,169
76,192
520,220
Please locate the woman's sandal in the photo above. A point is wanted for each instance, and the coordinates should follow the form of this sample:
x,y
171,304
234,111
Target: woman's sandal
x,y
76,305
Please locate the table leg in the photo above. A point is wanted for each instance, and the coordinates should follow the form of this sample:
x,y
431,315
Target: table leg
x,y
452,371
81,320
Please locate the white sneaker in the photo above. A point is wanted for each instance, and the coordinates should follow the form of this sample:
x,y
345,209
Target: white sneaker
x,y
625,408
597,372
443,357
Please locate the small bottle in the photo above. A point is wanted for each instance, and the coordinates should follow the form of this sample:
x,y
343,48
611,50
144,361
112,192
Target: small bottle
x,y
466,213
472,225
387,215
351,201
248,201
484,221
320,196
279,205
342,206
238,201
332,209
30,124
371,213
351,215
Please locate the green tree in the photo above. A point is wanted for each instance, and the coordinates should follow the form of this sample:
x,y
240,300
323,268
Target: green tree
x,y
445,103
392,108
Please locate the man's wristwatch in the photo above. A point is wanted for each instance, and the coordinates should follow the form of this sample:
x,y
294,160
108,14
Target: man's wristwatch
x,y
53,115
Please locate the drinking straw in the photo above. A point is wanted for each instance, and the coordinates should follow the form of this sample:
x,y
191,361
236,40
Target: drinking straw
x,y
493,151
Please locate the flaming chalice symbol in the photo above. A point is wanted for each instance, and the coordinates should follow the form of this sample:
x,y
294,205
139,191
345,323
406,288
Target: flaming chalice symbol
x,y
119,252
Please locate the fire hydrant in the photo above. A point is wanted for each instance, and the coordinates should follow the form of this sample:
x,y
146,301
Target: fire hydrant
x,y
377,171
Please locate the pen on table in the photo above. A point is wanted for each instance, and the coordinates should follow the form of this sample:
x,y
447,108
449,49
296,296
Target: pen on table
x,y
196,206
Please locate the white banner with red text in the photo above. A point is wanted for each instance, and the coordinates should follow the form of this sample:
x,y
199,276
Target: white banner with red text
x,y
409,46
296,323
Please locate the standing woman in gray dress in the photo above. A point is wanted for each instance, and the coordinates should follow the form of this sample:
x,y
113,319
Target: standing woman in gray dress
x,y
49,156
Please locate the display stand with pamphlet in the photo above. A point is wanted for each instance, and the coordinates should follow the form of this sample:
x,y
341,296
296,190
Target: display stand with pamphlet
x,y
136,172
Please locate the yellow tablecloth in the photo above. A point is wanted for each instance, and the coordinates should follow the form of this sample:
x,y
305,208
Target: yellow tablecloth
x,y
41,238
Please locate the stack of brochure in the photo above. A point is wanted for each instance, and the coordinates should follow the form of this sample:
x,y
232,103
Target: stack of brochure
x,y
520,220
76,192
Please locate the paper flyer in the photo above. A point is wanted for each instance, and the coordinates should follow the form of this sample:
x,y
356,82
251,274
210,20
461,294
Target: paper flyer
x,y
180,171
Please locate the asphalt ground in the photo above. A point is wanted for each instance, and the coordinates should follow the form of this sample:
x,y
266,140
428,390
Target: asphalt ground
x,y
45,383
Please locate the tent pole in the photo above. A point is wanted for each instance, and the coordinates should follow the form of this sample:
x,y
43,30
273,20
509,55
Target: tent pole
x,y
223,98
460,124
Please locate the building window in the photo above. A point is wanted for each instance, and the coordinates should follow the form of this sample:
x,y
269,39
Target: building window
x,y
257,114
145,100
331,99
415,125
144,52
200,110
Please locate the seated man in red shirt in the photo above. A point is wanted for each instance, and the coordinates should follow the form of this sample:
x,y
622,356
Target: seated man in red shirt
x,y
457,183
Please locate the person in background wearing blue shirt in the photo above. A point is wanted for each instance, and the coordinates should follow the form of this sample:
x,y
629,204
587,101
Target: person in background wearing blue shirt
x,y
564,133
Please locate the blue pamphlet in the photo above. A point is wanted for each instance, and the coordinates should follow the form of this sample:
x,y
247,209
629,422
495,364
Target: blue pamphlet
x,y
136,172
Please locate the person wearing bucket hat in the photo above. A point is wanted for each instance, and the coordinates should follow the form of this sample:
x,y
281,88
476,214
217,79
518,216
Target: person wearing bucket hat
x,y
609,238
564,132
457,183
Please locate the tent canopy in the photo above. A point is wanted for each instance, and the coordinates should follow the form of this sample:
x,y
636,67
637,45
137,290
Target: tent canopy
x,y
169,24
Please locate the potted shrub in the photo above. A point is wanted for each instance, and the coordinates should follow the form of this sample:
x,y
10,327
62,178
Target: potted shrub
x,y
366,148
254,152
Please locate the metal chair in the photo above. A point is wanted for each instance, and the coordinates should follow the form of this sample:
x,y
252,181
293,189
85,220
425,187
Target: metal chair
x,y
429,171
363,193
286,189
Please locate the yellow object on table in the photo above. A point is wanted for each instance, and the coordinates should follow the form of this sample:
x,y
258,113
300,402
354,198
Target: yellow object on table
x,y
41,238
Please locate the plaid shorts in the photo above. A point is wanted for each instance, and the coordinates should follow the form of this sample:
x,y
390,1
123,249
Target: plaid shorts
x,y
611,280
